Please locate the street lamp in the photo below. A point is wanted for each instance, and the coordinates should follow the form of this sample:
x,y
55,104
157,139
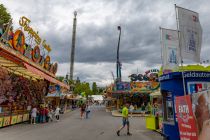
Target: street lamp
x,y
118,62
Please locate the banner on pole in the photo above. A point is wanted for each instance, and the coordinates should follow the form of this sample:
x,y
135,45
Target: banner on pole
x,y
190,34
186,119
170,50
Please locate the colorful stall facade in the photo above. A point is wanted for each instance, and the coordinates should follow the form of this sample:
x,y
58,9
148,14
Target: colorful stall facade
x,y
171,87
25,72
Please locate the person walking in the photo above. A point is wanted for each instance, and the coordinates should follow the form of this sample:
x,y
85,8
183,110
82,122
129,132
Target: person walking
x,y
87,111
125,120
42,115
82,110
131,109
33,115
57,113
50,114
46,112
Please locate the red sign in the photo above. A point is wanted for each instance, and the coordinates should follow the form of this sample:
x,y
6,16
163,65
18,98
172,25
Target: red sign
x,y
186,120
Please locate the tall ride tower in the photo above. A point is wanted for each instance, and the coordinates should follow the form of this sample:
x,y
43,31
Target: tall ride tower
x,y
73,45
118,61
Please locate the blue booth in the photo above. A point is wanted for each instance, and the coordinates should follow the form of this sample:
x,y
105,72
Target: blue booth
x,y
171,85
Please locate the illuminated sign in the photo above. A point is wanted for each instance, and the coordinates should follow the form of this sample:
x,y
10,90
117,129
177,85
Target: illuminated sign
x,y
17,41
24,22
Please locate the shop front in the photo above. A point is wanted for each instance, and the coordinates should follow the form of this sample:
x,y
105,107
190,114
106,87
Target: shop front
x,y
172,89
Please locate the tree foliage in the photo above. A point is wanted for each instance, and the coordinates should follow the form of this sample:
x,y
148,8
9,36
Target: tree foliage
x,y
60,78
4,15
82,87
94,88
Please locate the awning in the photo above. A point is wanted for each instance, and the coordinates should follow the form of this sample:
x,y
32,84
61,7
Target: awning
x,y
18,69
157,93
45,76
55,94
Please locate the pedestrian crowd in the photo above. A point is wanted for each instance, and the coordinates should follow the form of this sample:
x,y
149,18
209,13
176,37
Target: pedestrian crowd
x,y
44,114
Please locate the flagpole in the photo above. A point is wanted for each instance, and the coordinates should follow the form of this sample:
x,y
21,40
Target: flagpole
x,y
161,40
177,23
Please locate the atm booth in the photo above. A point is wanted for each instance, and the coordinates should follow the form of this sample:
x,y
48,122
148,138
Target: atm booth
x,y
171,85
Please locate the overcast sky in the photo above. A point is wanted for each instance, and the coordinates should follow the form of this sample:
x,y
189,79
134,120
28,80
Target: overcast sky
x,y
97,34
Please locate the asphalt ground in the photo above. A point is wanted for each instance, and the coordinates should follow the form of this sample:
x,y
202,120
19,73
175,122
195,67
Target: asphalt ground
x,y
100,126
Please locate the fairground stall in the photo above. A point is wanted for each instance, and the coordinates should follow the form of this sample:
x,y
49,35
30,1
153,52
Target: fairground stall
x,y
25,72
175,89
110,102
137,91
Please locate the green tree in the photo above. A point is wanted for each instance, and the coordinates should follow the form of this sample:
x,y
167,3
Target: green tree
x,y
4,15
60,78
94,88
100,90
82,87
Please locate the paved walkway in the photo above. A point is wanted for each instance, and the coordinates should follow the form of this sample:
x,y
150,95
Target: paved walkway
x,y
100,126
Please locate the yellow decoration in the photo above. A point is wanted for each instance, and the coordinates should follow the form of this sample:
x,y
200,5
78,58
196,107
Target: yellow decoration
x,y
6,121
25,117
14,119
189,68
24,22
19,118
1,121
46,46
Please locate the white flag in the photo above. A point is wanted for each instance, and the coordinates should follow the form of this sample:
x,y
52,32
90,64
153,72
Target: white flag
x,y
170,49
190,34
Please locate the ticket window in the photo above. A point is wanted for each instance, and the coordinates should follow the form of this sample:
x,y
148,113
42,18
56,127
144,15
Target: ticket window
x,y
168,107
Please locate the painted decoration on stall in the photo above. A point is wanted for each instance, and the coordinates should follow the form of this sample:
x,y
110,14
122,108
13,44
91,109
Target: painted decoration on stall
x,y
42,61
1,121
28,51
47,62
54,88
144,86
6,121
10,37
123,86
19,41
55,68
194,87
186,120
36,54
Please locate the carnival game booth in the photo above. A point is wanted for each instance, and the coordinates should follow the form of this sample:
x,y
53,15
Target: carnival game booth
x,y
154,118
25,73
171,87
137,91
